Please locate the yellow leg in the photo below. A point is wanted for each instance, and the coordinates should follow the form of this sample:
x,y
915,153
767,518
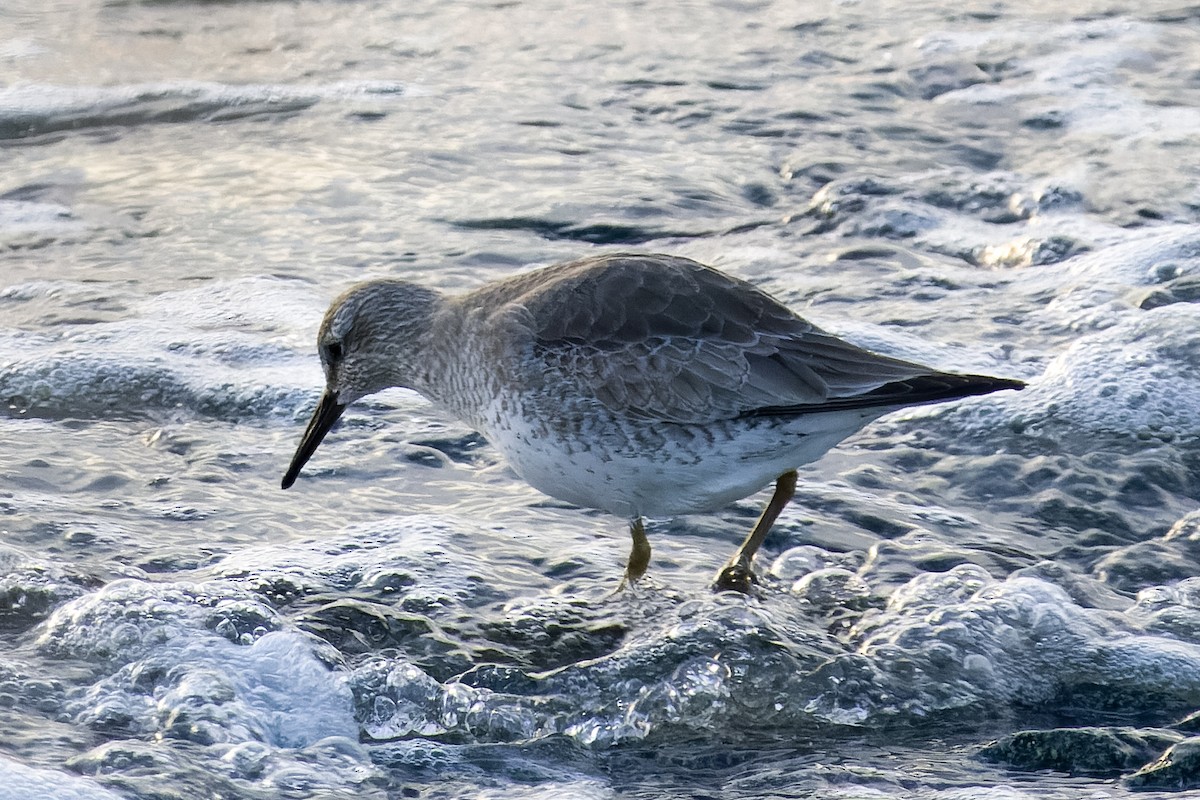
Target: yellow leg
x,y
737,575
639,556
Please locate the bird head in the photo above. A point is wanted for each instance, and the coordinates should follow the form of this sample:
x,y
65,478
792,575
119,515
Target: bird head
x,y
370,339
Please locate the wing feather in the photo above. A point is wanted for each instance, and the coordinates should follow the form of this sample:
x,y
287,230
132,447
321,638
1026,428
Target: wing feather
x,y
666,338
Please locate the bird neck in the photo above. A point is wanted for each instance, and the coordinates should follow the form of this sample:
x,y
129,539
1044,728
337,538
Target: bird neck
x,y
406,315
455,368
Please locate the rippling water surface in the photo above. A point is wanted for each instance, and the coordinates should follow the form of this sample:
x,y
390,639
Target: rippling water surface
x,y
994,598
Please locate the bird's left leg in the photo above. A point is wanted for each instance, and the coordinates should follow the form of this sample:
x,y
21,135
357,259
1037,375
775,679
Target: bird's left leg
x,y
639,556
737,574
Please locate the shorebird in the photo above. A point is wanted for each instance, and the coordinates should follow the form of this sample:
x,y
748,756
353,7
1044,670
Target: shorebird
x,y
641,385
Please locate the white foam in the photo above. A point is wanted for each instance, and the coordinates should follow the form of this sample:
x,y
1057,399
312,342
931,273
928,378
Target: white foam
x,y
26,216
962,639
176,657
1140,378
1078,66
22,782
274,691
412,554
1090,291
233,348
26,108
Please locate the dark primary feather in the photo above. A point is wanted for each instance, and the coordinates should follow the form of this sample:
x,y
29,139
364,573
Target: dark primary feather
x,y
929,388
667,338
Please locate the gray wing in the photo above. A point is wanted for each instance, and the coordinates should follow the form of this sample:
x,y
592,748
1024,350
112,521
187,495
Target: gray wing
x,y
667,338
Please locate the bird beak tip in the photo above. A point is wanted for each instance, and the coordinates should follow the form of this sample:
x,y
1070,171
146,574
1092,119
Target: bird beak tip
x,y
327,412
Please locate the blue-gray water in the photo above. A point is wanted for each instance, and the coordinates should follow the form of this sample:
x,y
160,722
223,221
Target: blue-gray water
x,y
983,186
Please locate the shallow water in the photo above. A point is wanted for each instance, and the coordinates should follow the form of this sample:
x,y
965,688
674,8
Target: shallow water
x,y
982,187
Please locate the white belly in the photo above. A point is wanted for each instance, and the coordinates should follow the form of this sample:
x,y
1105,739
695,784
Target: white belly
x,y
660,469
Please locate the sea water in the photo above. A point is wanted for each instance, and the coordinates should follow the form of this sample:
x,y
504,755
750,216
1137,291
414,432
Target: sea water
x,y
994,598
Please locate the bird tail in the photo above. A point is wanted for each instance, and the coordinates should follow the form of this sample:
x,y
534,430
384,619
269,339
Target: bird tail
x,y
934,387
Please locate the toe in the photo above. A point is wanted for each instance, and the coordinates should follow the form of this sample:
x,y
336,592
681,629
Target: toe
x,y
735,578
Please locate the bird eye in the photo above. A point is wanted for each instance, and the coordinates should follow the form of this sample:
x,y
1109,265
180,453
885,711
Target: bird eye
x,y
333,352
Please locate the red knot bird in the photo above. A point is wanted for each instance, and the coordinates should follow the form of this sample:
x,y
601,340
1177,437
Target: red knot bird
x,y
641,385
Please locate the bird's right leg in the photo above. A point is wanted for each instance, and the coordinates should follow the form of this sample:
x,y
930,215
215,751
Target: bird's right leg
x,y
639,556
738,574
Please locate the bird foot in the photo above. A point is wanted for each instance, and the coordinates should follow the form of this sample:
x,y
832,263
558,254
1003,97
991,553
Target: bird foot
x,y
735,577
630,581
625,583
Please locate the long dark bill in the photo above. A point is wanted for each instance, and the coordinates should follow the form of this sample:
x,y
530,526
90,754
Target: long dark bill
x,y
327,413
